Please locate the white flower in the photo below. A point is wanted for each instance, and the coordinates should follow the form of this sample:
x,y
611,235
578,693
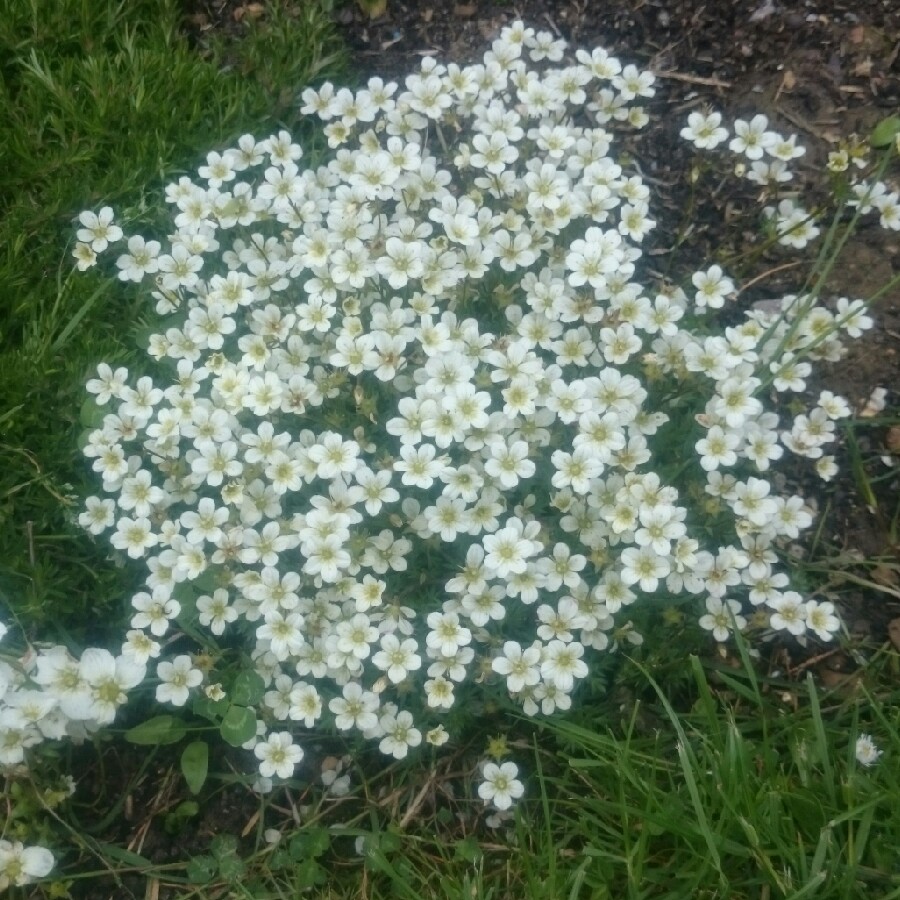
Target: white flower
x,y
305,704
795,227
278,755
704,131
644,566
356,708
214,612
722,617
521,667
420,465
140,260
98,230
98,515
21,865
785,149
154,612
507,551
446,635
712,287
789,613
439,692
820,618
509,463
501,785
283,633
107,384
85,256
562,664
717,448
110,679
751,138
399,734
866,751
437,736
397,658
176,679
135,536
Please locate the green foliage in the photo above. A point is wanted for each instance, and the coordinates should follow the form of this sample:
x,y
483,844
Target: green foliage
x,y
157,731
886,132
195,765
738,796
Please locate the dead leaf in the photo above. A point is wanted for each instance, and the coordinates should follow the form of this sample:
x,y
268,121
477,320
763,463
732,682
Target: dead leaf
x,y
894,632
892,439
885,576
465,10
863,69
373,8
857,34
248,11
427,14
875,404
788,82
834,680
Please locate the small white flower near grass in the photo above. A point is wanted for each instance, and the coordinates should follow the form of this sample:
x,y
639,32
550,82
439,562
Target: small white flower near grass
x,y
500,786
866,751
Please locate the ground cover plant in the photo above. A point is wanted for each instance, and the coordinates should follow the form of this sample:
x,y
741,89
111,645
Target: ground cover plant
x,y
416,430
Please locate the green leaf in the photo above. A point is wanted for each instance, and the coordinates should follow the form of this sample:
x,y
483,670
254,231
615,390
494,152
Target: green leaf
x,y
214,710
248,689
156,731
195,765
91,415
176,820
885,131
142,335
122,855
467,850
309,843
223,845
201,869
231,868
280,860
308,874
238,726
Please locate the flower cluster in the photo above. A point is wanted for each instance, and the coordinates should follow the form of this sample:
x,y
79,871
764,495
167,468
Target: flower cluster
x,y
408,433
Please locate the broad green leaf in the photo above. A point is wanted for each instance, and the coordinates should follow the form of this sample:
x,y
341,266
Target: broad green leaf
x,y
201,869
885,131
195,765
309,843
231,868
91,415
467,849
248,689
214,710
156,731
238,726
308,874
223,845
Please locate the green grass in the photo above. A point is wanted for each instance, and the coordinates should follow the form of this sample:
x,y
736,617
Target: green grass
x,y
746,787
674,780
